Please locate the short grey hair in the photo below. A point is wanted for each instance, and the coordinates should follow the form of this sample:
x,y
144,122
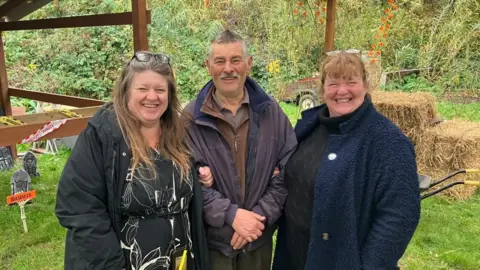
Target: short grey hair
x,y
228,36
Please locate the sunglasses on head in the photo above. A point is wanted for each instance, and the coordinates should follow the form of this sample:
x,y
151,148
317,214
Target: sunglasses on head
x,y
353,51
146,57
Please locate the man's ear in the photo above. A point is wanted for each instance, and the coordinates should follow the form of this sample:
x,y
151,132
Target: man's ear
x,y
249,63
207,65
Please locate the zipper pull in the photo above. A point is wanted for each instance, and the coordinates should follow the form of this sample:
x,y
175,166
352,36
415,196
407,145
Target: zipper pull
x,y
235,143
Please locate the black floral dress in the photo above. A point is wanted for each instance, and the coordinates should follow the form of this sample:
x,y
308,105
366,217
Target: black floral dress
x,y
154,216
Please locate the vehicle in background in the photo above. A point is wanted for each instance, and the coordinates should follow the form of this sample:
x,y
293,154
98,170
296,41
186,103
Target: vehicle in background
x,y
303,93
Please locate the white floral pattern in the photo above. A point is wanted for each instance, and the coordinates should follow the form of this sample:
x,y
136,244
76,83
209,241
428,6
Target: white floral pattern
x,y
154,198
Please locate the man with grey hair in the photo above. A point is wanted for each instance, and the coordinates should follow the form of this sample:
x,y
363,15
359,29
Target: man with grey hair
x,y
241,141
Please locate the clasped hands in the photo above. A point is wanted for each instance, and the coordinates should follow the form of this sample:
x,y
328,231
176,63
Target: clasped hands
x,y
248,225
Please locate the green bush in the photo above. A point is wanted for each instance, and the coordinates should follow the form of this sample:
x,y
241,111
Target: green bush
x,y
443,35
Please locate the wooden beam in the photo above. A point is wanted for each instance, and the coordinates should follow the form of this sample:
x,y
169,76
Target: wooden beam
x,y
4,99
9,6
55,98
45,117
140,21
15,135
124,18
25,8
330,28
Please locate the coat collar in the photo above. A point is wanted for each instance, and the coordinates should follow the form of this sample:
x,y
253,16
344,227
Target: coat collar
x,y
259,100
106,124
310,119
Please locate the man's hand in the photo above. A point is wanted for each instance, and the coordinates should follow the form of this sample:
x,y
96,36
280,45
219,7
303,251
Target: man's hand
x,y
248,224
238,242
205,176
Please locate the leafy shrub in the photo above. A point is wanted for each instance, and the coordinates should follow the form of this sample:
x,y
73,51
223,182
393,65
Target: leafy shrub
x,y
442,35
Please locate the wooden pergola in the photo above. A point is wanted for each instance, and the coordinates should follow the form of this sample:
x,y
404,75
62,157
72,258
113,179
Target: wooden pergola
x,y
330,25
19,128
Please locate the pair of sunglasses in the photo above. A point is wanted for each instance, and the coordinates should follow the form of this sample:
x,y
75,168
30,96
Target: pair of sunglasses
x,y
146,57
353,51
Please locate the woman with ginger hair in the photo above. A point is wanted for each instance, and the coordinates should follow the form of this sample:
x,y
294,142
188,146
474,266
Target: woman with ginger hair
x,y
353,196
129,195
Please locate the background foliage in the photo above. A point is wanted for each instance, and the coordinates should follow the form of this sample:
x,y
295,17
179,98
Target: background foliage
x,y
443,35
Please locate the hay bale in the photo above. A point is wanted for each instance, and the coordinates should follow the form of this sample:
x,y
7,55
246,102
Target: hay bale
x,y
451,145
411,112
448,147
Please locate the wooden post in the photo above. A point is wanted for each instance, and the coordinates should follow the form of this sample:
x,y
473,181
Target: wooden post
x,y
4,97
330,29
140,22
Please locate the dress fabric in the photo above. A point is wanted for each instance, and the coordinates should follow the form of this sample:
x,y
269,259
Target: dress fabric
x,y
154,215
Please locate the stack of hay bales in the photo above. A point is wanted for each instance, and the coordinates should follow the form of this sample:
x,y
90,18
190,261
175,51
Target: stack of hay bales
x,y
412,112
442,148
448,147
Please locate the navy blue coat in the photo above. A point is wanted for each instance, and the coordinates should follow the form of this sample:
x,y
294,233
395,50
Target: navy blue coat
x,y
366,198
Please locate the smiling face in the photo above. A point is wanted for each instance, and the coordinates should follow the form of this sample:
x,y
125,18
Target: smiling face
x,y
343,95
148,97
344,83
229,66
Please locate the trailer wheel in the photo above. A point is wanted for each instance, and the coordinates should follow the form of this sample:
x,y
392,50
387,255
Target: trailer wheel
x,y
307,101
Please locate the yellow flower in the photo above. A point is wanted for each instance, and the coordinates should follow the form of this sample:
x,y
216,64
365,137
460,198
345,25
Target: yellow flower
x,y
273,67
32,67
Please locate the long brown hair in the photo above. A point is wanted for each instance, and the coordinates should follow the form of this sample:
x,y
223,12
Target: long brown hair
x,y
172,143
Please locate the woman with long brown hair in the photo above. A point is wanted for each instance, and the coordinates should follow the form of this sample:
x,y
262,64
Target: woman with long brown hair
x,y
129,194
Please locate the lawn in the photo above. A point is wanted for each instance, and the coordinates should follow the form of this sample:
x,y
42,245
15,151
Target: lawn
x,y
42,247
451,110
448,236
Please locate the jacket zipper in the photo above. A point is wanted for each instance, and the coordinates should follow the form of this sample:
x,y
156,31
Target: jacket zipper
x,y
113,166
235,143
114,187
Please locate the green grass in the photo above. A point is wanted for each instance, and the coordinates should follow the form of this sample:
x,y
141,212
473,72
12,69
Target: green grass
x,y
42,247
292,111
451,110
447,236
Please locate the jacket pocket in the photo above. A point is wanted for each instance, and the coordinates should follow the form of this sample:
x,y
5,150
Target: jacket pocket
x,y
221,235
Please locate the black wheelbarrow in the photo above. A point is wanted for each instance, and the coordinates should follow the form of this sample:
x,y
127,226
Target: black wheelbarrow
x,y
426,182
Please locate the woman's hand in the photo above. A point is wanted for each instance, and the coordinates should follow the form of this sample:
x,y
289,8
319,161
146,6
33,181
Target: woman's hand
x,y
205,176
276,172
